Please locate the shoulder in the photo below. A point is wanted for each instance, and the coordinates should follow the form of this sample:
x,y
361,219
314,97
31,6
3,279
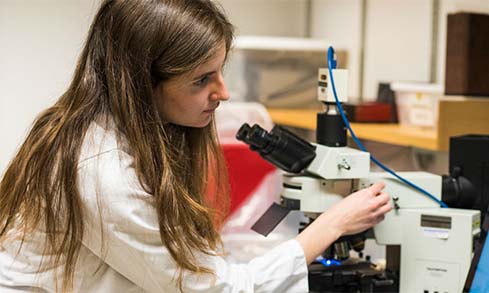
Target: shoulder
x,y
105,164
100,139
108,184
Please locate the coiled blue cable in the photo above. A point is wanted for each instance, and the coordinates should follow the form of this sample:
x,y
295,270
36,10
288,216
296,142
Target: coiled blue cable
x,y
331,66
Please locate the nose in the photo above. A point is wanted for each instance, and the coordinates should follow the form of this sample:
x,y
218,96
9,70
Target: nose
x,y
220,92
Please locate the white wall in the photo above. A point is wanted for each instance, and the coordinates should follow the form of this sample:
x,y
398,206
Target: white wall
x,y
267,17
398,37
397,42
40,40
340,21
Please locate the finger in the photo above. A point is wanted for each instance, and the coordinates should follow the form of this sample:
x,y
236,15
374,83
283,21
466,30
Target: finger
x,y
380,200
383,197
384,209
377,187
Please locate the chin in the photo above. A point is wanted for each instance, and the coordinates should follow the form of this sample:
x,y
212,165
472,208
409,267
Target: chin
x,y
200,124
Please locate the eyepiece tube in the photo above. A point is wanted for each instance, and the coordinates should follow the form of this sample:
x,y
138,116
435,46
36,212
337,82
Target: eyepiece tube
x,y
243,132
281,147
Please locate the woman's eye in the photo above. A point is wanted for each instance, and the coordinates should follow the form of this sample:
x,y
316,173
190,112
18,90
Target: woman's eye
x,y
202,81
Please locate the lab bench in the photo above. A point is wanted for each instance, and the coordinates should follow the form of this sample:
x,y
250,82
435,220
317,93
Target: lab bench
x,y
456,116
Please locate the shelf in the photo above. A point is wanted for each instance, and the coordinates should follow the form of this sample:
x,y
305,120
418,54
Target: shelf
x,y
457,116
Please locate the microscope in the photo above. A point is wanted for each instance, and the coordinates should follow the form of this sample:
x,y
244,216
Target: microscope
x,y
428,248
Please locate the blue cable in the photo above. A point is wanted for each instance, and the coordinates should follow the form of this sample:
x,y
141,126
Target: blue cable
x,y
331,66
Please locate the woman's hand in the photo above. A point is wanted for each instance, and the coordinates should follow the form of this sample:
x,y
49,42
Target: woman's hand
x,y
360,210
357,212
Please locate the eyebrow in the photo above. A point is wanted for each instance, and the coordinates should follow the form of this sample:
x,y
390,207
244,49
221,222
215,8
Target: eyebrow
x,y
204,74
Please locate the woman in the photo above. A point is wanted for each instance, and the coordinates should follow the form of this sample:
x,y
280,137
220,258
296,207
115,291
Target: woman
x,y
108,191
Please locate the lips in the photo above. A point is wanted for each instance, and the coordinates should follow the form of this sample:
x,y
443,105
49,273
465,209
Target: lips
x,y
212,109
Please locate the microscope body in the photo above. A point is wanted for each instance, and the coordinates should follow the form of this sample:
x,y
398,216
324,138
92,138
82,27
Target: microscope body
x,y
327,179
435,243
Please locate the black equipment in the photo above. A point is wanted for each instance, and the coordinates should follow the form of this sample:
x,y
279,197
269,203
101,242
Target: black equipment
x,y
467,186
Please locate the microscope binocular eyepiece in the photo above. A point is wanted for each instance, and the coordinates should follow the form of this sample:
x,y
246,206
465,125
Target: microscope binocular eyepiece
x,y
257,137
280,147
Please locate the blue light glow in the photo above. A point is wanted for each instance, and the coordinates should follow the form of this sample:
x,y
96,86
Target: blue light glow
x,y
330,262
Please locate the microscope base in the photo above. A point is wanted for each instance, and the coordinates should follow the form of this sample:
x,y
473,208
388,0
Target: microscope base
x,y
354,277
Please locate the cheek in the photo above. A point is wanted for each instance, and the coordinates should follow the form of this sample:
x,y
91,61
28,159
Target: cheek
x,y
185,110
196,101
167,107
181,106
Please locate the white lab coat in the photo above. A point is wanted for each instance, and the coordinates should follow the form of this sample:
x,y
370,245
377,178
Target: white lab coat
x,y
134,258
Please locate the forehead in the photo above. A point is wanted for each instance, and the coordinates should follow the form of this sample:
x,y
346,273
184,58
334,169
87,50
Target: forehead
x,y
217,59
214,63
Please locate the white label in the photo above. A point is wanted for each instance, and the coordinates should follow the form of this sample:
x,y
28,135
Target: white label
x,y
422,117
436,233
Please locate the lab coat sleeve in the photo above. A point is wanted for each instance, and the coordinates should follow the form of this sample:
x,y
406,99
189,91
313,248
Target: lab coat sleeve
x,y
122,229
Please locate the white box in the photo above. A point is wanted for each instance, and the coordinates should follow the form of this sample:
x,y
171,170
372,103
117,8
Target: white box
x,y
417,103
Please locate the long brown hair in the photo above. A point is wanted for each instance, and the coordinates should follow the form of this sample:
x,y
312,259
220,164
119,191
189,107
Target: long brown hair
x,y
132,46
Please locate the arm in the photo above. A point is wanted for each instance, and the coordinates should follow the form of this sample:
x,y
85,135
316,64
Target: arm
x,y
131,242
